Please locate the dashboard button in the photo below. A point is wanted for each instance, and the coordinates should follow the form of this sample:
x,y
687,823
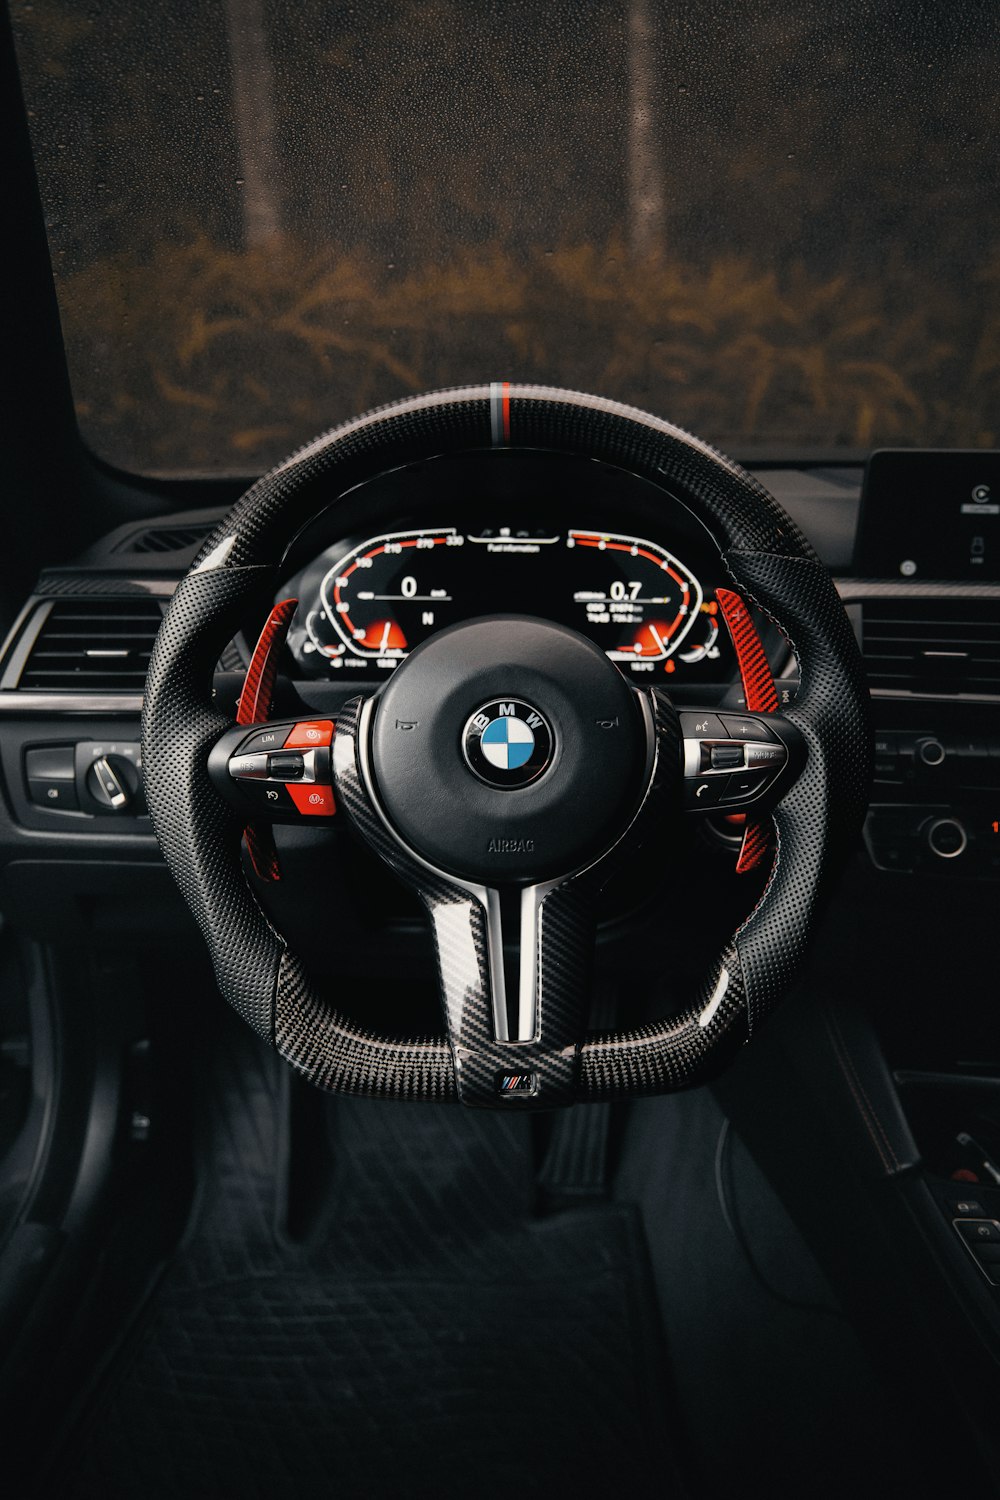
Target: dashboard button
x,y
58,795
743,785
979,1231
966,1207
702,727
746,729
50,763
946,838
313,801
930,751
310,733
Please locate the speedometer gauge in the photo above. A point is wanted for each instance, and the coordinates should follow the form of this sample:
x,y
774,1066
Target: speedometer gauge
x,y
386,595
366,604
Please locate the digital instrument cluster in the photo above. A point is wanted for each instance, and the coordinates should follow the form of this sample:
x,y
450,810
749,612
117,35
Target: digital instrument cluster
x,y
364,605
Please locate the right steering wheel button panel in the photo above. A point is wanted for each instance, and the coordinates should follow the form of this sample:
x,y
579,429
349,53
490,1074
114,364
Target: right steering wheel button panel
x,y
731,759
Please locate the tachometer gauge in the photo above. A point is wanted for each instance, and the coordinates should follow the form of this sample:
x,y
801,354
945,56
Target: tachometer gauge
x,y
636,595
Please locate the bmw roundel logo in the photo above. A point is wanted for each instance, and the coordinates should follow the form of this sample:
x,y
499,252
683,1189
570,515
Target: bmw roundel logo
x,y
507,743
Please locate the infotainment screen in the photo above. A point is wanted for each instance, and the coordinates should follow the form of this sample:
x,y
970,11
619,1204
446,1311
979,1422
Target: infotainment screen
x,y
930,514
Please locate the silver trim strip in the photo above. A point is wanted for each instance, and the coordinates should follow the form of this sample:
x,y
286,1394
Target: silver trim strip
x,y
718,995
527,991
854,590
498,979
218,556
13,702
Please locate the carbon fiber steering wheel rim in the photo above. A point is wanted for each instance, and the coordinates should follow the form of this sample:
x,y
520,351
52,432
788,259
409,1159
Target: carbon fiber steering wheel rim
x,y
770,563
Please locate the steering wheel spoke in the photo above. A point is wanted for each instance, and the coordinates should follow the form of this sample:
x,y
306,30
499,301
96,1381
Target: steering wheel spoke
x,y
513,960
514,968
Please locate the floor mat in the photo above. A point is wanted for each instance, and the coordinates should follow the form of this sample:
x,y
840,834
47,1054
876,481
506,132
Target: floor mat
x,y
432,1336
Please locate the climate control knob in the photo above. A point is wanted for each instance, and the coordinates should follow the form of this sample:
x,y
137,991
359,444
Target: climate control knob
x,y
946,838
930,751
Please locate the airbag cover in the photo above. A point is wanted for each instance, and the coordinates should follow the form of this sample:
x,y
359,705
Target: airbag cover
x,y
516,831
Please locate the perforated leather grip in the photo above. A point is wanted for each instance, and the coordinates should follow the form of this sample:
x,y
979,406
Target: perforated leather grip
x,y
770,563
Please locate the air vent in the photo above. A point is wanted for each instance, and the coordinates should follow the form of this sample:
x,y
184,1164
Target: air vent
x,y
935,646
93,646
167,538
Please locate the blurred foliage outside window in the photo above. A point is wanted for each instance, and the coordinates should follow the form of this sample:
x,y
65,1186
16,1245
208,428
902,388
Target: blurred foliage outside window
x,y
774,223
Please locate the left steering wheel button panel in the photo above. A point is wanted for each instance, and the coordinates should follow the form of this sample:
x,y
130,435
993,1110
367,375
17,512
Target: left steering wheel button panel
x,y
265,778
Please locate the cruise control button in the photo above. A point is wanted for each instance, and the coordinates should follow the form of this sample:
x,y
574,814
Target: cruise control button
x,y
702,727
244,767
267,797
264,739
746,729
743,785
313,801
287,765
310,733
726,757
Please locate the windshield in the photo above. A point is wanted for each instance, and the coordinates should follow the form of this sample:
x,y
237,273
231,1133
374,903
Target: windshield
x,y
773,223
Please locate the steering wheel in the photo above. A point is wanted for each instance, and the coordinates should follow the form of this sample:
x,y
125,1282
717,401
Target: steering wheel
x,y
502,771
